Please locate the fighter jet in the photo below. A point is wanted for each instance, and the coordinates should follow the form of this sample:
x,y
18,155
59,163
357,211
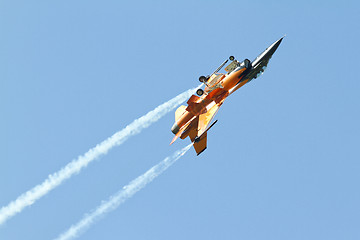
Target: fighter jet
x,y
194,120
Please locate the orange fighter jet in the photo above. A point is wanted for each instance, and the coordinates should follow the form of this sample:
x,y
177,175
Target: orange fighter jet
x,y
193,121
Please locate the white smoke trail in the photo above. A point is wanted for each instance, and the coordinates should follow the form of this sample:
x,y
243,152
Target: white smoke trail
x,y
74,167
127,192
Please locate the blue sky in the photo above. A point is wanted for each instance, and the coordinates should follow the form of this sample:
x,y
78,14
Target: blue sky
x,y
282,162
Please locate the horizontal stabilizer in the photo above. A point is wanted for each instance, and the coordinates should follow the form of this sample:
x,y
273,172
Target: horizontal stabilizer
x,y
179,112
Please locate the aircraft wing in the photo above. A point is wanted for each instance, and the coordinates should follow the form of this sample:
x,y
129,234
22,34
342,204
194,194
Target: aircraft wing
x,y
205,119
200,146
198,135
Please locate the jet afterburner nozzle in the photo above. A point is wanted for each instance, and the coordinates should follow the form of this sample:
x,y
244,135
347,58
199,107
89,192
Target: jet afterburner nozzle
x,y
175,128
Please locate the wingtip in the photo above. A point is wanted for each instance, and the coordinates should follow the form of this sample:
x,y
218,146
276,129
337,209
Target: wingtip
x,y
201,151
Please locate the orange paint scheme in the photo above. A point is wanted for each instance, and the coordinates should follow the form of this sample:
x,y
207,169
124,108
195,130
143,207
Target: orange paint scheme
x,y
194,119
191,122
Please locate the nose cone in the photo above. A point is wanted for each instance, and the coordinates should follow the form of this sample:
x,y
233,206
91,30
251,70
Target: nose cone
x,y
267,54
274,46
